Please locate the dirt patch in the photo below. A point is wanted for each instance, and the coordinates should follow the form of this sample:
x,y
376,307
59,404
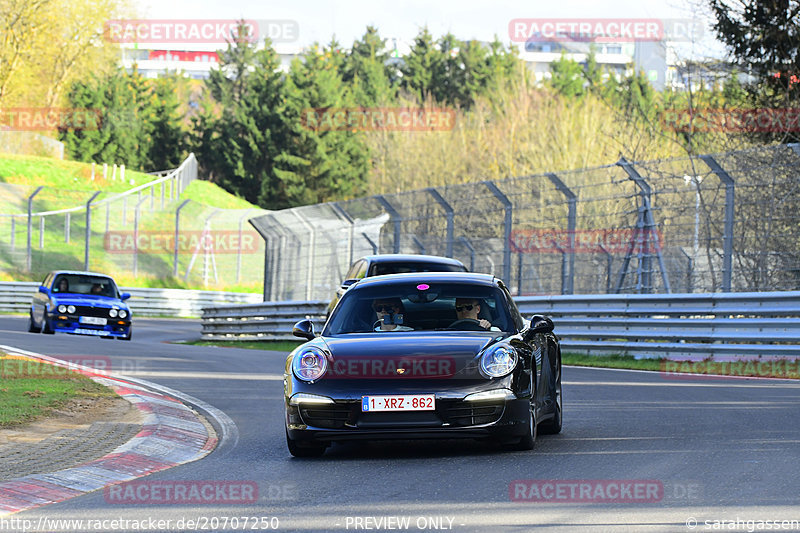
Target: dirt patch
x,y
78,413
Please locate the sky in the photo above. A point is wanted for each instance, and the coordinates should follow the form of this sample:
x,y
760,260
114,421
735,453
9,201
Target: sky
x,y
319,20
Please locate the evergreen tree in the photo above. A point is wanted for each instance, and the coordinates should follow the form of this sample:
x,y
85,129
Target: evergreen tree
x,y
419,66
366,71
241,129
567,77
320,165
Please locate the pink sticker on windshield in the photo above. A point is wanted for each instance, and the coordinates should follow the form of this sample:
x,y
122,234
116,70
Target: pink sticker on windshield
x,y
423,287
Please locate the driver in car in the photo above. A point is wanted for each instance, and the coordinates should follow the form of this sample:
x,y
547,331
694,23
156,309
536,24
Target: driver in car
x,y
468,309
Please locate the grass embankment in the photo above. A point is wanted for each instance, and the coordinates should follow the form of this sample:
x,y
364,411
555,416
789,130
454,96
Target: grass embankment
x,y
69,184
30,389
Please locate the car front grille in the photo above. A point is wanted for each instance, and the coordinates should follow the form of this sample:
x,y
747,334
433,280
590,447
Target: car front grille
x,y
472,414
329,417
85,310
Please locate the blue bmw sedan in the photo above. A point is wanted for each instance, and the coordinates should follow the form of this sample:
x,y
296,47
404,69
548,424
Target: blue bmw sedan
x,y
80,303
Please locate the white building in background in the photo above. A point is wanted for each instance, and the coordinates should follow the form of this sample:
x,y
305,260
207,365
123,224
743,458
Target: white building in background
x,y
195,60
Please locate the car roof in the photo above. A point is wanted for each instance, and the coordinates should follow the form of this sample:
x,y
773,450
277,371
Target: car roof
x,y
471,278
412,258
80,273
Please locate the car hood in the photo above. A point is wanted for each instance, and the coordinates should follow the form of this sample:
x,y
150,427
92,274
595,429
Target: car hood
x,y
89,301
406,355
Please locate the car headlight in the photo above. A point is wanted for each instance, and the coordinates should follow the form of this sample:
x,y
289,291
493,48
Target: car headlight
x,y
309,364
499,361
112,313
62,308
123,313
70,309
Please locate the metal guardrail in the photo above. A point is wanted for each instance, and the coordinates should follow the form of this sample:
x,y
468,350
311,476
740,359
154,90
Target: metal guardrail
x,y
264,321
15,297
669,325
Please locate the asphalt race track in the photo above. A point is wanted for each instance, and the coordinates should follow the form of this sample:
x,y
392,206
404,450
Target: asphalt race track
x,y
716,451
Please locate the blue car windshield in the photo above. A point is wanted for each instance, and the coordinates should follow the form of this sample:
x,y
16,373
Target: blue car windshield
x,y
85,284
420,306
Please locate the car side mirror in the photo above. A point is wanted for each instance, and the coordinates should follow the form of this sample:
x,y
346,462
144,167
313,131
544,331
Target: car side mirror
x,y
346,283
304,329
125,296
539,324
43,289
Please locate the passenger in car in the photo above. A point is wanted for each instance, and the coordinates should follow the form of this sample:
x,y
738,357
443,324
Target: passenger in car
x,y
390,315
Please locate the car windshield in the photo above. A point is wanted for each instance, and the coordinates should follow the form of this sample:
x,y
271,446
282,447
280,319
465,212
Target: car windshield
x,y
418,306
84,284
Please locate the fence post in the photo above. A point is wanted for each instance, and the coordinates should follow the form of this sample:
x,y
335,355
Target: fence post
x,y
311,249
648,225
371,243
340,210
67,226
41,232
239,251
177,232
30,229
396,218
13,231
507,221
471,253
572,199
88,230
448,211
136,237
727,236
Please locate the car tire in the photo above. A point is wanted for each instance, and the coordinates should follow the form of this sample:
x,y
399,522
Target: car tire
x,y
527,441
553,425
46,327
128,336
304,450
32,325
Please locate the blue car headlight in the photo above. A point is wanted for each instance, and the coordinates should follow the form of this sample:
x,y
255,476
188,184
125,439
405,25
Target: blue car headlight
x,y
309,364
499,361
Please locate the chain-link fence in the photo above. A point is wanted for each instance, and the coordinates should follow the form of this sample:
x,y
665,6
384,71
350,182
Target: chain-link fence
x,y
727,222
148,231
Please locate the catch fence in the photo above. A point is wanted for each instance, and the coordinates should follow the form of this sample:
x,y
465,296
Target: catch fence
x,y
714,223
144,230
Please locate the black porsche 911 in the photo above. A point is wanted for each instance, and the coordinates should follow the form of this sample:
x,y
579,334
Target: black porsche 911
x,y
423,355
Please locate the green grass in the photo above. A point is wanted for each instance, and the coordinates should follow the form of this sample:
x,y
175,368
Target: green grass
x,y
69,184
274,346
33,171
30,389
628,362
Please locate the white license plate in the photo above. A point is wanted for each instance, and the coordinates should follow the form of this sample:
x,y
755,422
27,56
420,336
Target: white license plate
x,y
82,331
403,402
96,320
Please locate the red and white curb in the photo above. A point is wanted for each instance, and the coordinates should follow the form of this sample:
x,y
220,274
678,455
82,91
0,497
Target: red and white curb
x,y
172,434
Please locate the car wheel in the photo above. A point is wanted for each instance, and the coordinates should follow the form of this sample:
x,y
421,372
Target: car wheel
x,y
527,441
128,336
304,450
32,328
46,327
553,425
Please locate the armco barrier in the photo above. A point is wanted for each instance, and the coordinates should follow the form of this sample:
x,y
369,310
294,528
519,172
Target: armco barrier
x,y
15,297
670,325
264,321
